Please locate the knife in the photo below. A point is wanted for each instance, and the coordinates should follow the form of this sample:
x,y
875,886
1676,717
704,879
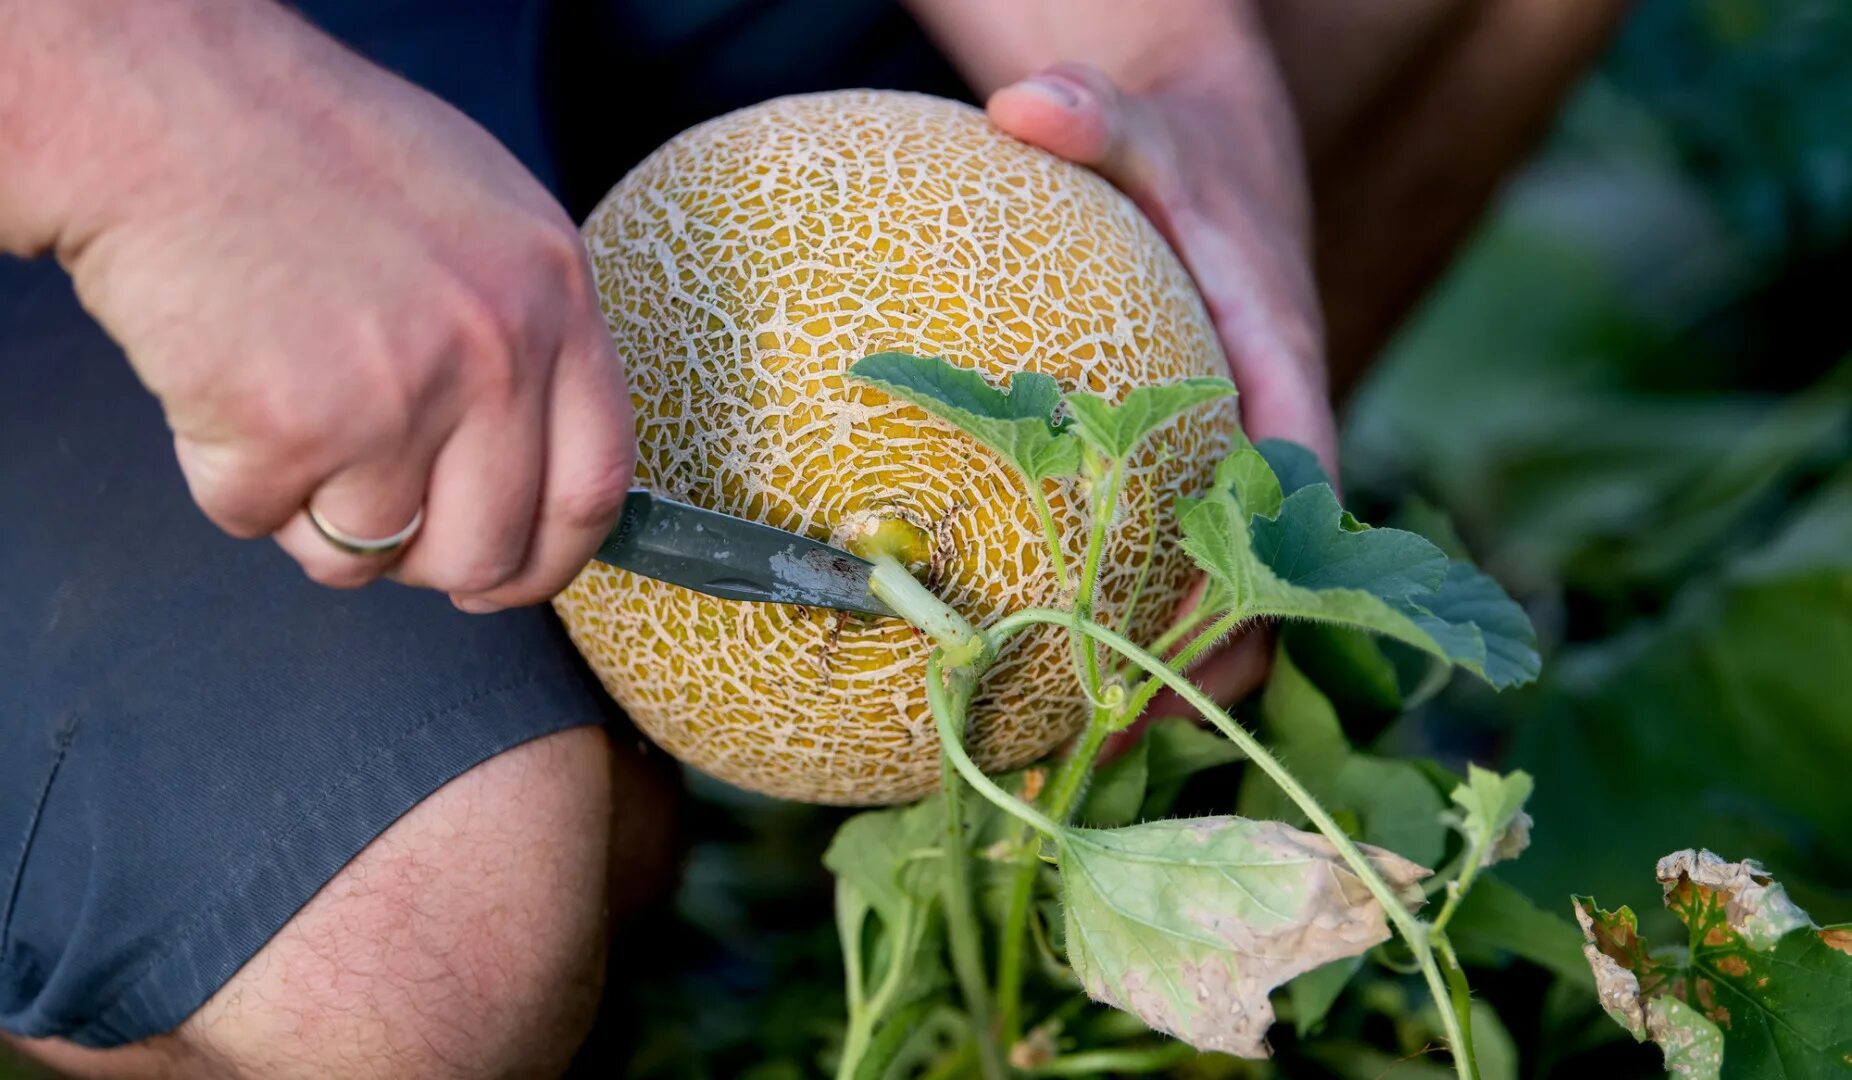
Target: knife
x,y
730,557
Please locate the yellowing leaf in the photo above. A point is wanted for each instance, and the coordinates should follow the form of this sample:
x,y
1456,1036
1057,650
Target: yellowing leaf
x,y
1759,991
1190,924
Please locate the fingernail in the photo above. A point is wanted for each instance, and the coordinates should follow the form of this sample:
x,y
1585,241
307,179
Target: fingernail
x,y
1054,89
476,605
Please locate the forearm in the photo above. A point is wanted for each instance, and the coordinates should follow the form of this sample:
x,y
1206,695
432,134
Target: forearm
x,y
89,94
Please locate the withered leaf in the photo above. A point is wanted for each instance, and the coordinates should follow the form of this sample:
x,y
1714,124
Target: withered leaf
x,y
1758,991
1189,924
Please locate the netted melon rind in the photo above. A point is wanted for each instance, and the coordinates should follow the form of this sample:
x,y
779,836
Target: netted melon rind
x,y
744,266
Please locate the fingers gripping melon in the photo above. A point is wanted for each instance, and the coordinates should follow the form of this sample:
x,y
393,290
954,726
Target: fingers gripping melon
x,y
744,266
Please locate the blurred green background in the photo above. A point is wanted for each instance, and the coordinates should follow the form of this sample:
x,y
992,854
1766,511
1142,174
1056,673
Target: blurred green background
x,y
1629,401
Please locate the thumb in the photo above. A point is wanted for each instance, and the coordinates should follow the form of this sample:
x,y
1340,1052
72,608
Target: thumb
x,y
1076,112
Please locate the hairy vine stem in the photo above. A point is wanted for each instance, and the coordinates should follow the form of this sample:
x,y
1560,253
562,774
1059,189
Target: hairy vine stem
x,y
949,704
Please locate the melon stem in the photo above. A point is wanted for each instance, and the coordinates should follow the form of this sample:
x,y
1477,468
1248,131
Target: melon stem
x,y
964,645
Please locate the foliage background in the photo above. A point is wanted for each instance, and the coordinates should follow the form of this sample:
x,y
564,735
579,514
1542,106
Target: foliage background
x,y
1629,401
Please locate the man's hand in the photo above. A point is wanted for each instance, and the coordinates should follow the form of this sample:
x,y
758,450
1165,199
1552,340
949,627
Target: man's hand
x,y
1183,109
1243,238
1179,155
343,292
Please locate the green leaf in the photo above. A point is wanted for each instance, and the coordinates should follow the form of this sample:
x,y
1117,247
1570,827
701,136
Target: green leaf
x,y
1759,991
1117,790
1349,665
1295,466
1018,425
889,863
892,856
1496,918
1492,813
1246,474
1391,802
1190,924
1143,783
1313,993
1495,1052
1116,430
1311,561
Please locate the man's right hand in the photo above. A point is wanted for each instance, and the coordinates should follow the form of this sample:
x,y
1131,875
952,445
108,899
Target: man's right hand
x,y
343,292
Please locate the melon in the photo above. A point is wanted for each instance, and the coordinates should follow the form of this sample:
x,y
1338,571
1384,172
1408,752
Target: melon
x,y
743,268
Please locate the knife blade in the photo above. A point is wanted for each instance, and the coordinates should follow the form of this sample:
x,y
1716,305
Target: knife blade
x,y
730,557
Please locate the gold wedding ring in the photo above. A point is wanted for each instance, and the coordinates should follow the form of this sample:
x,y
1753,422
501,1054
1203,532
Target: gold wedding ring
x,y
360,545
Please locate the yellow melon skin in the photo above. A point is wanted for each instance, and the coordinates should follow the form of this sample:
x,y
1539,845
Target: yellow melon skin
x,y
744,267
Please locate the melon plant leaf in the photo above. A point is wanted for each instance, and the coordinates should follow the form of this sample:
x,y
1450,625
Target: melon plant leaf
x,y
1495,919
1491,814
889,864
1293,465
1116,430
1117,790
1017,424
1190,924
1247,475
1389,803
1178,749
894,857
1143,783
1311,560
1313,993
1758,991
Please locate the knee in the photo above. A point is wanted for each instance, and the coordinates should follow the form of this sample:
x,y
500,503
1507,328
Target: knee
x,y
466,941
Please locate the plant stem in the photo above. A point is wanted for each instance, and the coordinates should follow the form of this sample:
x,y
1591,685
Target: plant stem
x,y
1414,932
861,1025
1197,646
858,1041
1095,1062
1456,889
890,583
1050,535
953,750
955,1066
967,941
1177,630
1459,1002
1063,795
1144,568
1103,507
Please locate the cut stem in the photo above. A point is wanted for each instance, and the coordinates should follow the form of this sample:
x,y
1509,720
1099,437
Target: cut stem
x,y
964,646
